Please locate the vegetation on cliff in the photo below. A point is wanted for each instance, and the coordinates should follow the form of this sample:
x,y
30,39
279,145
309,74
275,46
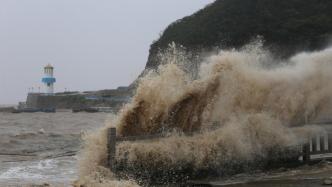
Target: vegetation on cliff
x,y
287,27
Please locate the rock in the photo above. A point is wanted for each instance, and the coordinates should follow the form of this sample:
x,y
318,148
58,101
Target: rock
x,y
253,18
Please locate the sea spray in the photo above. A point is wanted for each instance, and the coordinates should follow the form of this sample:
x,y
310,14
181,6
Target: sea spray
x,y
233,83
93,161
256,105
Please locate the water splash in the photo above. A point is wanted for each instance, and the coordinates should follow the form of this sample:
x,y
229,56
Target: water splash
x,y
255,103
59,171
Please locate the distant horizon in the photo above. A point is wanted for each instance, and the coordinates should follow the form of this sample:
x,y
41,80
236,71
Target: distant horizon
x,y
92,45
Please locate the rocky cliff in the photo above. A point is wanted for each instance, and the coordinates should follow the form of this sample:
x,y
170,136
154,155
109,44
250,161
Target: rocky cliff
x,y
286,27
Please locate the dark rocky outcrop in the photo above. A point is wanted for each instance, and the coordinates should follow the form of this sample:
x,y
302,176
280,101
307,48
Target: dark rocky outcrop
x,y
287,27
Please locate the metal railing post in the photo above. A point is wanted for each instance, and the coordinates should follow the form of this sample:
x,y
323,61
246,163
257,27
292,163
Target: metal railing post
x,y
111,147
306,152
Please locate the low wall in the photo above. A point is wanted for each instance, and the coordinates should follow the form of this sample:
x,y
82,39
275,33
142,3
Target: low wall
x,y
6,109
62,102
35,100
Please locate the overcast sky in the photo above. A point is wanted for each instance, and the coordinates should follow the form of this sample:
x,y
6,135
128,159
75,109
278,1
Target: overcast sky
x,y
93,44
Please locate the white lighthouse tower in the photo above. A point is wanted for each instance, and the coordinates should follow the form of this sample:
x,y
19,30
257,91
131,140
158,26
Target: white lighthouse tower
x,y
49,79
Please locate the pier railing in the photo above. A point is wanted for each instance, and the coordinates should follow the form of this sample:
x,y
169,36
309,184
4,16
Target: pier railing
x,y
319,146
316,148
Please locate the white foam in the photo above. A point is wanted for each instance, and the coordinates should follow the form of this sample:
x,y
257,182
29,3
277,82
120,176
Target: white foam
x,y
40,171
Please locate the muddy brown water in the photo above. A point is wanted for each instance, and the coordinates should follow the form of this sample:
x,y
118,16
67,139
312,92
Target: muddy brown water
x,y
40,147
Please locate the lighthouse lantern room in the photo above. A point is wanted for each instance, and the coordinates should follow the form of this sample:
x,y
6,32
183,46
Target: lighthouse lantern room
x,y
49,79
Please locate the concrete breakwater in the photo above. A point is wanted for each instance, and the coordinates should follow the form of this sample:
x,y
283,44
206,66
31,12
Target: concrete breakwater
x,y
68,100
6,109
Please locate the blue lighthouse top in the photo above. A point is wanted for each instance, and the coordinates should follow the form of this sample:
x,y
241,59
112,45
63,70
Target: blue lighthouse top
x,y
48,80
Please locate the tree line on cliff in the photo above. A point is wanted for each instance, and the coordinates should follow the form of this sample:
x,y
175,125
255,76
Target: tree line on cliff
x,y
287,27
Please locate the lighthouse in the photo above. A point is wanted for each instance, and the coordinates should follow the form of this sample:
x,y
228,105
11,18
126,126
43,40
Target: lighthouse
x,y
49,79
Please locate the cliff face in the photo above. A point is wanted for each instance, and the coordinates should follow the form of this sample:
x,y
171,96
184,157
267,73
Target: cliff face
x,y
287,27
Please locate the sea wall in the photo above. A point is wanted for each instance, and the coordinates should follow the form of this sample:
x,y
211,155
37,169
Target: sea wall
x,y
114,98
6,109
55,101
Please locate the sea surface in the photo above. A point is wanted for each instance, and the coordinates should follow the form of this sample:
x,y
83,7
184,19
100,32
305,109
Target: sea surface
x,y
37,148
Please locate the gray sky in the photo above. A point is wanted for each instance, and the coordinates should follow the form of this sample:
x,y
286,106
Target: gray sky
x,y
93,44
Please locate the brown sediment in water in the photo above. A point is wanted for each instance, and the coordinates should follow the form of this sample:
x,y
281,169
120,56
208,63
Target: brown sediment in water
x,y
254,103
184,115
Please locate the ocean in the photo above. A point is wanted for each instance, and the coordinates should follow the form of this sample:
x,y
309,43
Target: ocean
x,y
38,148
